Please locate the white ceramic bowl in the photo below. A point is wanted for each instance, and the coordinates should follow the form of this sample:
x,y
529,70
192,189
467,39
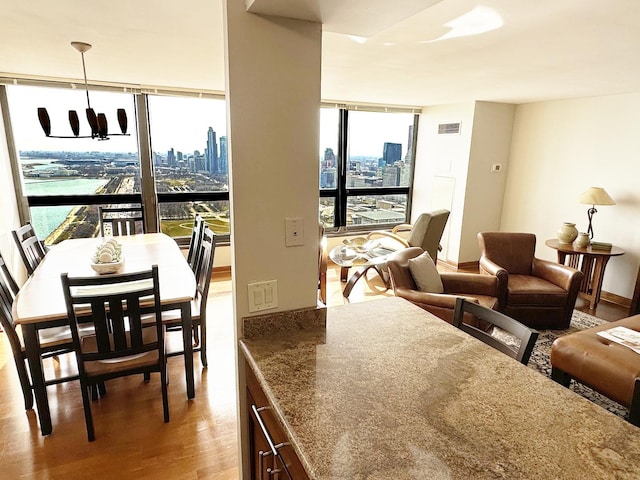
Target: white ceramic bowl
x,y
104,268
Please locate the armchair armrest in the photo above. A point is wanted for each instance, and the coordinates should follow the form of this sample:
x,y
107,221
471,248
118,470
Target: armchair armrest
x,y
440,300
470,283
488,267
563,276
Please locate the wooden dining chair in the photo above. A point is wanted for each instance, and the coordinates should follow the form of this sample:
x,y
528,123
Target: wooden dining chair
x,y
121,344
53,341
196,239
527,337
172,319
31,249
115,222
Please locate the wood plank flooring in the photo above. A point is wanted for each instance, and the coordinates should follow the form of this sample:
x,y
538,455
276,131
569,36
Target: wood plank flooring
x,y
132,441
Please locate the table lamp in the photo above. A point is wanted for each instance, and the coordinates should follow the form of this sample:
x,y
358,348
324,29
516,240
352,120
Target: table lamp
x,y
595,196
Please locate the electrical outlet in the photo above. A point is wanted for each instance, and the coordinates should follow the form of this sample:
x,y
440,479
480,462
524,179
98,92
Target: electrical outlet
x,y
294,232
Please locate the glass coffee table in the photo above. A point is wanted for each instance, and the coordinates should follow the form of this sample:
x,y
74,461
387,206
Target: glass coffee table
x,y
364,254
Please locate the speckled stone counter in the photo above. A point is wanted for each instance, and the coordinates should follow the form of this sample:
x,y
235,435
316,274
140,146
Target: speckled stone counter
x,y
387,391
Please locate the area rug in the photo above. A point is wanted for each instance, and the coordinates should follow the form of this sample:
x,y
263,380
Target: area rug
x,y
540,360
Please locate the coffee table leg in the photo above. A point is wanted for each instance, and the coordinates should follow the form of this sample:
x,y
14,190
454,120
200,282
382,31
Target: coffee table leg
x,y
353,279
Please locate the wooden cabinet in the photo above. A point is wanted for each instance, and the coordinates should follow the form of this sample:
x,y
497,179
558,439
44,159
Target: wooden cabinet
x,y
272,456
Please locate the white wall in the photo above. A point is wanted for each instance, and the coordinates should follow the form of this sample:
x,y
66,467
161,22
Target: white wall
x,y
273,109
443,160
490,144
458,165
561,148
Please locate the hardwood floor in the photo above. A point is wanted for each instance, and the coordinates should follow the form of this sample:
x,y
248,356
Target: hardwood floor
x,y
200,441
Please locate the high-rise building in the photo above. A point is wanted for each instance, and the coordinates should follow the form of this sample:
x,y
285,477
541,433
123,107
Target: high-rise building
x,y
171,158
391,153
212,152
407,157
329,158
224,164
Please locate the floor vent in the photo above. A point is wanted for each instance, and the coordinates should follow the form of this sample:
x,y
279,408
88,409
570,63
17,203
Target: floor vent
x,y
448,128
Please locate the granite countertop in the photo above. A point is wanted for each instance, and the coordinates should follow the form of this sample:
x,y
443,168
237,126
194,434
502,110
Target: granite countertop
x,y
388,391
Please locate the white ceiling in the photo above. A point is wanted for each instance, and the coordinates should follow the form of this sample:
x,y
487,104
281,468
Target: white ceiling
x,y
544,49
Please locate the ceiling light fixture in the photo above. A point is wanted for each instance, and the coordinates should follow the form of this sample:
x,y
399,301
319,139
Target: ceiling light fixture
x,y
97,122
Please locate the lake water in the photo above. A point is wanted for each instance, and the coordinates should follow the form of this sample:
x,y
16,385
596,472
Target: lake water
x,y
46,219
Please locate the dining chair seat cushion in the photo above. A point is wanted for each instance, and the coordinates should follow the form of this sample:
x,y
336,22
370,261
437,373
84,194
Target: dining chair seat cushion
x,y
528,290
120,364
425,274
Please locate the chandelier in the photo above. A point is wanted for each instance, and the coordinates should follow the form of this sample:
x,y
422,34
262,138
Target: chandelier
x,y
97,122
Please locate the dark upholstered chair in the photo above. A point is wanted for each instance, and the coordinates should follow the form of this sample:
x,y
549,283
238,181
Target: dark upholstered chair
x,y
540,294
482,289
521,352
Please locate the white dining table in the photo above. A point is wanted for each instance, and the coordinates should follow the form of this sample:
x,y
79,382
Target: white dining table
x,y
40,303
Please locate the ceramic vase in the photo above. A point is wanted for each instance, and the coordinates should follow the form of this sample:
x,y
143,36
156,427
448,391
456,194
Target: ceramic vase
x,y
567,233
583,240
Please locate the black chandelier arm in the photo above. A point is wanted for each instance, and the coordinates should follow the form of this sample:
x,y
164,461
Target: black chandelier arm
x,y
590,213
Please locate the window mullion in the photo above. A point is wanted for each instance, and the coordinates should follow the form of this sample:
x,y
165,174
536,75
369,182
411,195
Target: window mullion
x,y
341,199
147,182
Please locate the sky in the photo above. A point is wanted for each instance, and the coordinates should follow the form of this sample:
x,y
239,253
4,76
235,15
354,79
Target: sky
x,y
175,122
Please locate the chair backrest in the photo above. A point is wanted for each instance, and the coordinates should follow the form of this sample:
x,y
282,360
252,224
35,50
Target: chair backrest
x,y
8,291
121,221
512,251
204,268
196,239
427,231
114,304
526,336
6,276
31,250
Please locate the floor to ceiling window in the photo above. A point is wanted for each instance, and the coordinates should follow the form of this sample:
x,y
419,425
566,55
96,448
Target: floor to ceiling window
x,y
66,179
189,144
63,177
366,160
366,166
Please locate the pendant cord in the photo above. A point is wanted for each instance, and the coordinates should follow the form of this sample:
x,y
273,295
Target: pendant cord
x,y
86,85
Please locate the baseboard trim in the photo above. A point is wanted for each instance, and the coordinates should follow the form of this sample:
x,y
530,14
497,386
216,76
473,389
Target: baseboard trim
x,y
460,266
616,299
219,270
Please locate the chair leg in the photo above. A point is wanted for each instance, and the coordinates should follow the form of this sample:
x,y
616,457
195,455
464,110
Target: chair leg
x,y
102,389
86,403
147,377
164,379
25,383
203,342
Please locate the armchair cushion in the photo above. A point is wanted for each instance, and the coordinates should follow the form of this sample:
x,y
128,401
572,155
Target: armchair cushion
x,y
527,290
425,274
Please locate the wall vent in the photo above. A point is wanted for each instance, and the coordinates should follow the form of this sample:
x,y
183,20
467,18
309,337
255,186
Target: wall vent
x,y
448,128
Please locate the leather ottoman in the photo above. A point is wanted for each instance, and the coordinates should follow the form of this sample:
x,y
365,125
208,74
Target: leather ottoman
x,y
607,367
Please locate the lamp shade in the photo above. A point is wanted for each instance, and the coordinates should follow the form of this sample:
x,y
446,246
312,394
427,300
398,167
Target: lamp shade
x,y
596,196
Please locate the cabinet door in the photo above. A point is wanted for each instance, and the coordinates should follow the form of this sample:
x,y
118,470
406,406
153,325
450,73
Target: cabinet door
x,y
266,435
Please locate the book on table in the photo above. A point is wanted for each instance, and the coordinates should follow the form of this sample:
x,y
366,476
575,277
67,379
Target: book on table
x,y
623,336
601,245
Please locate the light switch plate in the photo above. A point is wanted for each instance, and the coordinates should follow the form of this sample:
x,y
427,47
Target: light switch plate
x,y
262,295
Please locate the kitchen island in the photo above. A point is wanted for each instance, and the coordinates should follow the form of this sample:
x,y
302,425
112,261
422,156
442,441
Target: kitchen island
x,y
388,391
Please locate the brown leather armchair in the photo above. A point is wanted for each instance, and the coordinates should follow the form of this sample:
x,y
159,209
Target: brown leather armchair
x,y
540,293
481,289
